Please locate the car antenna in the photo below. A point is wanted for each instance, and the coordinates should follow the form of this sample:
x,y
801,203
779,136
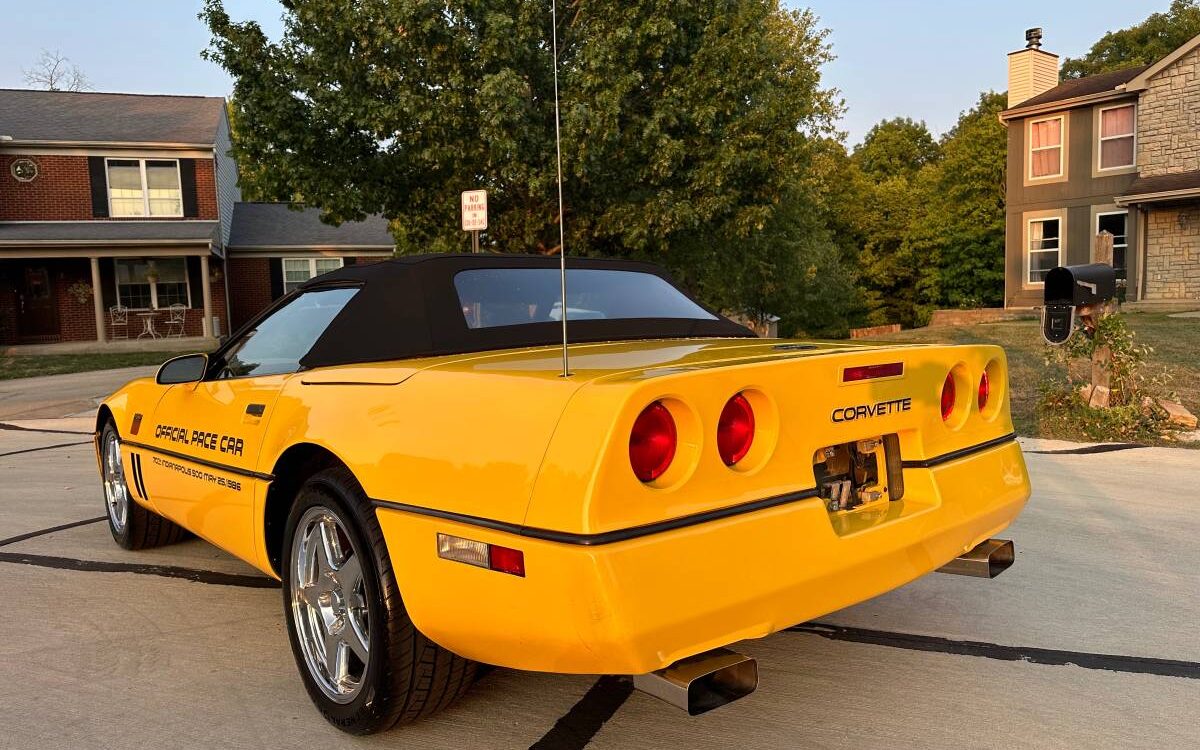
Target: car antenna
x,y
562,241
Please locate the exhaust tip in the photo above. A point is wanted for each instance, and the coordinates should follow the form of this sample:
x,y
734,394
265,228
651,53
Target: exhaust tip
x,y
703,682
985,560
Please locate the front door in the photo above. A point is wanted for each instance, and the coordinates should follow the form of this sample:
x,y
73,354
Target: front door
x,y
37,313
205,472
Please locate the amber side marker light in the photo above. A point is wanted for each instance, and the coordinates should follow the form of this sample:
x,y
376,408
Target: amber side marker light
x,y
481,555
948,397
735,430
985,390
652,442
870,372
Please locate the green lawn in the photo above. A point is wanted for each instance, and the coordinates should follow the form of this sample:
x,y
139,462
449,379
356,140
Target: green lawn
x,y
57,364
1176,343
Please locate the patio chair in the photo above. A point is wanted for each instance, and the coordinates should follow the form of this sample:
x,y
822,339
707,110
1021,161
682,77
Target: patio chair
x,y
176,321
118,322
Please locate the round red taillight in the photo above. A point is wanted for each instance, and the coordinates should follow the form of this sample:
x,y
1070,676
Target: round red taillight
x,y
735,430
652,442
985,390
948,397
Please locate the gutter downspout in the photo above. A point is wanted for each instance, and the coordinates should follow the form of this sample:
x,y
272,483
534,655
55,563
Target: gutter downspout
x,y
1143,235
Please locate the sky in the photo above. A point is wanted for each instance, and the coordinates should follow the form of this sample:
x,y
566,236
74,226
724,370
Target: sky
x,y
925,60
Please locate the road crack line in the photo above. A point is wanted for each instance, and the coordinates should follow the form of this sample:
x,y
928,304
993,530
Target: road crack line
x,y
1046,656
44,448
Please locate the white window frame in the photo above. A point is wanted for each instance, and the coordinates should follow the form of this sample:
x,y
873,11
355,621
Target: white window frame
x,y
145,189
1062,148
1096,233
312,267
1100,138
187,283
1029,251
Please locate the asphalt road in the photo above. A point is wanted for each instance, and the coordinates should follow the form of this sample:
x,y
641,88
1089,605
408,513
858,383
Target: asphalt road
x,y
1090,640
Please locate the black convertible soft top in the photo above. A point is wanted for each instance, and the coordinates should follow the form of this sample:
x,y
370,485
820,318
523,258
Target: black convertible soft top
x,y
409,307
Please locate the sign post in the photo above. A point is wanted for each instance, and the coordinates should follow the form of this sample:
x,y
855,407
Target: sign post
x,y
474,215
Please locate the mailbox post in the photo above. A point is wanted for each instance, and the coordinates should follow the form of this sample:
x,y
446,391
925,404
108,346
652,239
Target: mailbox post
x,y
1076,295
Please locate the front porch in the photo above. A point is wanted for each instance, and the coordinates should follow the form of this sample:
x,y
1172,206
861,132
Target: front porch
x,y
111,299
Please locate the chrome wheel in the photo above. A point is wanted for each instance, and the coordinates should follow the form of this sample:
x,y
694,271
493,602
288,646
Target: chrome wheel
x,y
116,491
329,604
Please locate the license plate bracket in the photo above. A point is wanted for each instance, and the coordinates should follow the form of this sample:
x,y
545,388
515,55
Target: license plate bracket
x,y
859,473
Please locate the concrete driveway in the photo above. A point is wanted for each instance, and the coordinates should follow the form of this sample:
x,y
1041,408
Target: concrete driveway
x,y
1090,640
62,395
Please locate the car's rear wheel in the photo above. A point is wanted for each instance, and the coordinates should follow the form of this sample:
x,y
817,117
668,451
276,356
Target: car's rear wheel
x,y
132,525
363,662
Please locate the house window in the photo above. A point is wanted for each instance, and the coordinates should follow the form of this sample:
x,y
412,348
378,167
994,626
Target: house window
x,y
1046,148
296,271
144,187
152,284
1044,246
1116,223
1117,137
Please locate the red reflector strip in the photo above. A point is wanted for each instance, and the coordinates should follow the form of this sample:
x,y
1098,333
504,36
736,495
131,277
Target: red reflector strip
x,y
869,372
505,560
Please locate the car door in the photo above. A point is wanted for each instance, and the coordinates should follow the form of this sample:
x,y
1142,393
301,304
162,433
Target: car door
x,y
204,471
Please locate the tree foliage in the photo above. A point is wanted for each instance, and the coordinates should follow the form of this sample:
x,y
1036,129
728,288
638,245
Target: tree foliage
x,y
896,148
928,215
671,120
1140,44
964,225
688,127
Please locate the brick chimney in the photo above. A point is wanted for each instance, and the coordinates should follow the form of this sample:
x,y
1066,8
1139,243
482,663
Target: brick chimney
x,y
1031,71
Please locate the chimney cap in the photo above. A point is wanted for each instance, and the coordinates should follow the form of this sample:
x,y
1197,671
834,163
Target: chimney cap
x,y
1033,38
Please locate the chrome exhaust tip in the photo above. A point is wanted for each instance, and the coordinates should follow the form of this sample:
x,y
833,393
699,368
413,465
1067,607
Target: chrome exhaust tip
x,y
985,560
703,682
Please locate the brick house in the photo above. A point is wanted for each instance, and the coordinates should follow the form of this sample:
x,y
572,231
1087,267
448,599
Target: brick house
x,y
119,215
1116,152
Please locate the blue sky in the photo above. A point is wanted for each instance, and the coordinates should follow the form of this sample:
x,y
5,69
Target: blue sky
x,y
926,60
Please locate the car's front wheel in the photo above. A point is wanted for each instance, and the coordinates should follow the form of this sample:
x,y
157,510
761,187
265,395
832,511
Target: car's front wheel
x,y
364,664
132,525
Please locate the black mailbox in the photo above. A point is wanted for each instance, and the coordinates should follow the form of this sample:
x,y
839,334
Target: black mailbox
x,y
1067,289
1081,285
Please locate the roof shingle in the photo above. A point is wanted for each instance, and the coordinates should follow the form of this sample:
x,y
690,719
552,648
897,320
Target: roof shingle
x,y
88,117
107,231
1076,87
265,225
1164,183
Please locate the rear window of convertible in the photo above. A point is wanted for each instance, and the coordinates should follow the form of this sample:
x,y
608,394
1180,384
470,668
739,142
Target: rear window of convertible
x,y
493,297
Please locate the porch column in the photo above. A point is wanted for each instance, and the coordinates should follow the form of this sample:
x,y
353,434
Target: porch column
x,y
97,299
206,286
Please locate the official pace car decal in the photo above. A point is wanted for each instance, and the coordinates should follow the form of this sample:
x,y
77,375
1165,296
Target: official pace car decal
x,y
209,440
878,409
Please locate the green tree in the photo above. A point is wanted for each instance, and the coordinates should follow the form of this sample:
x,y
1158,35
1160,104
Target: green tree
x,y
899,285
250,174
678,120
963,226
1140,44
897,147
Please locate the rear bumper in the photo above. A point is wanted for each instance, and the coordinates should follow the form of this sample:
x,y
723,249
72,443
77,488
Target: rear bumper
x,y
635,606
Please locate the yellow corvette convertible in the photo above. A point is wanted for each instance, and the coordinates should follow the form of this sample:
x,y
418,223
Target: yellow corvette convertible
x,y
398,444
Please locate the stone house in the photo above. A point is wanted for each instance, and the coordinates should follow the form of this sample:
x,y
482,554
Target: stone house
x,y
1116,152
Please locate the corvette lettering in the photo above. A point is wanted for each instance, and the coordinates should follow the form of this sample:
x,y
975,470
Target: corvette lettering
x,y
209,440
878,409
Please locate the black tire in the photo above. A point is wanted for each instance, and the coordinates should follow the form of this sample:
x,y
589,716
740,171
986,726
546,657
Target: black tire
x,y
406,676
143,528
